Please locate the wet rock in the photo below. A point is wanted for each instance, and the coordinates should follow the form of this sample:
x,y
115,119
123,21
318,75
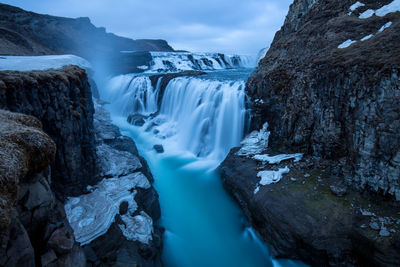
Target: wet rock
x,y
136,119
338,190
18,250
374,226
159,148
48,258
62,241
384,232
123,208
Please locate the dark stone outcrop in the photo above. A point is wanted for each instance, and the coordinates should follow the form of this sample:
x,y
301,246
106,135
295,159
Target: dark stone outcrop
x,y
34,229
338,206
331,102
62,101
136,119
159,148
301,218
28,33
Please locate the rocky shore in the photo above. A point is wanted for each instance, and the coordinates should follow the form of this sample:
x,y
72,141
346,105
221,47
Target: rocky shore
x,y
328,88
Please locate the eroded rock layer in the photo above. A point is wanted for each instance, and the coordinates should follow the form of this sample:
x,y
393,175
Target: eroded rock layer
x,y
34,228
329,86
62,101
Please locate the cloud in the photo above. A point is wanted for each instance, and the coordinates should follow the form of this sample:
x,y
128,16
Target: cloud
x,y
230,26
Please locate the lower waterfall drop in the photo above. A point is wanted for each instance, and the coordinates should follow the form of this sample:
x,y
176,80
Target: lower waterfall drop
x,y
209,115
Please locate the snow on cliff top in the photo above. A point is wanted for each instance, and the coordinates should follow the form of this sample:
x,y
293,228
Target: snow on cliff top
x,y
394,6
26,63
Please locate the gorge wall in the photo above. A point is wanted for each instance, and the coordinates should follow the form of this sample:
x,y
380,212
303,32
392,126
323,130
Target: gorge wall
x,y
336,103
34,228
61,100
40,175
328,87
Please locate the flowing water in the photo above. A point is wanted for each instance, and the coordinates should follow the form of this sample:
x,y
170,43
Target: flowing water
x,y
198,120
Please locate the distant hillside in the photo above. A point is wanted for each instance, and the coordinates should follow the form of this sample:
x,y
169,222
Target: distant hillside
x,y
28,33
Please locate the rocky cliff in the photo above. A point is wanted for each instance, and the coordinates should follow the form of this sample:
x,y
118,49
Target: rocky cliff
x,y
28,33
34,228
95,174
328,88
334,102
62,101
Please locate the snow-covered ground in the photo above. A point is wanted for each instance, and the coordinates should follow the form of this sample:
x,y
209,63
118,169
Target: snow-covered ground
x,y
27,63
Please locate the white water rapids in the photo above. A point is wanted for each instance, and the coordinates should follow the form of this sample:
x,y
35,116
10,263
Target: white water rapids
x,y
205,117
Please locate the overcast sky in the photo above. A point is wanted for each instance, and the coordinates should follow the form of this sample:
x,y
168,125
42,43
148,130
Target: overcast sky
x,y
230,26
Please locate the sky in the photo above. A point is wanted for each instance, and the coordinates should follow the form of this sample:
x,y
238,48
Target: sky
x,y
227,26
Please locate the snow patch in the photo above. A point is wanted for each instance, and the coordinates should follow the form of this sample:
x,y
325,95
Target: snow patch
x,y
390,8
387,25
394,6
92,214
271,177
346,44
137,228
367,14
367,37
27,63
356,5
255,142
278,158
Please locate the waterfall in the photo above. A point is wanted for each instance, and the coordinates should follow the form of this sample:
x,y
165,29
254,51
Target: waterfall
x,y
208,116
203,116
181,61
131,94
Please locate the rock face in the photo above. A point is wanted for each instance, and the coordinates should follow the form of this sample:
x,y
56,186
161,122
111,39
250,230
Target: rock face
x,y
33,228
115,221
300,217
328,88
336,103
28,33
62,101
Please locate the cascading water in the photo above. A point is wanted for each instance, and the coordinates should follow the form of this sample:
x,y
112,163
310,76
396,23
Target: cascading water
x,y
181,61
130,94
198,121
209,115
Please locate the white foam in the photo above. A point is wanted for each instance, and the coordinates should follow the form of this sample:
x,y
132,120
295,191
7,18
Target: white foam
x,y
183,61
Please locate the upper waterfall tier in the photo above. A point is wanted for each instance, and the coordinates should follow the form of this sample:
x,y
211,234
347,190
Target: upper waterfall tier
x,y
182,61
